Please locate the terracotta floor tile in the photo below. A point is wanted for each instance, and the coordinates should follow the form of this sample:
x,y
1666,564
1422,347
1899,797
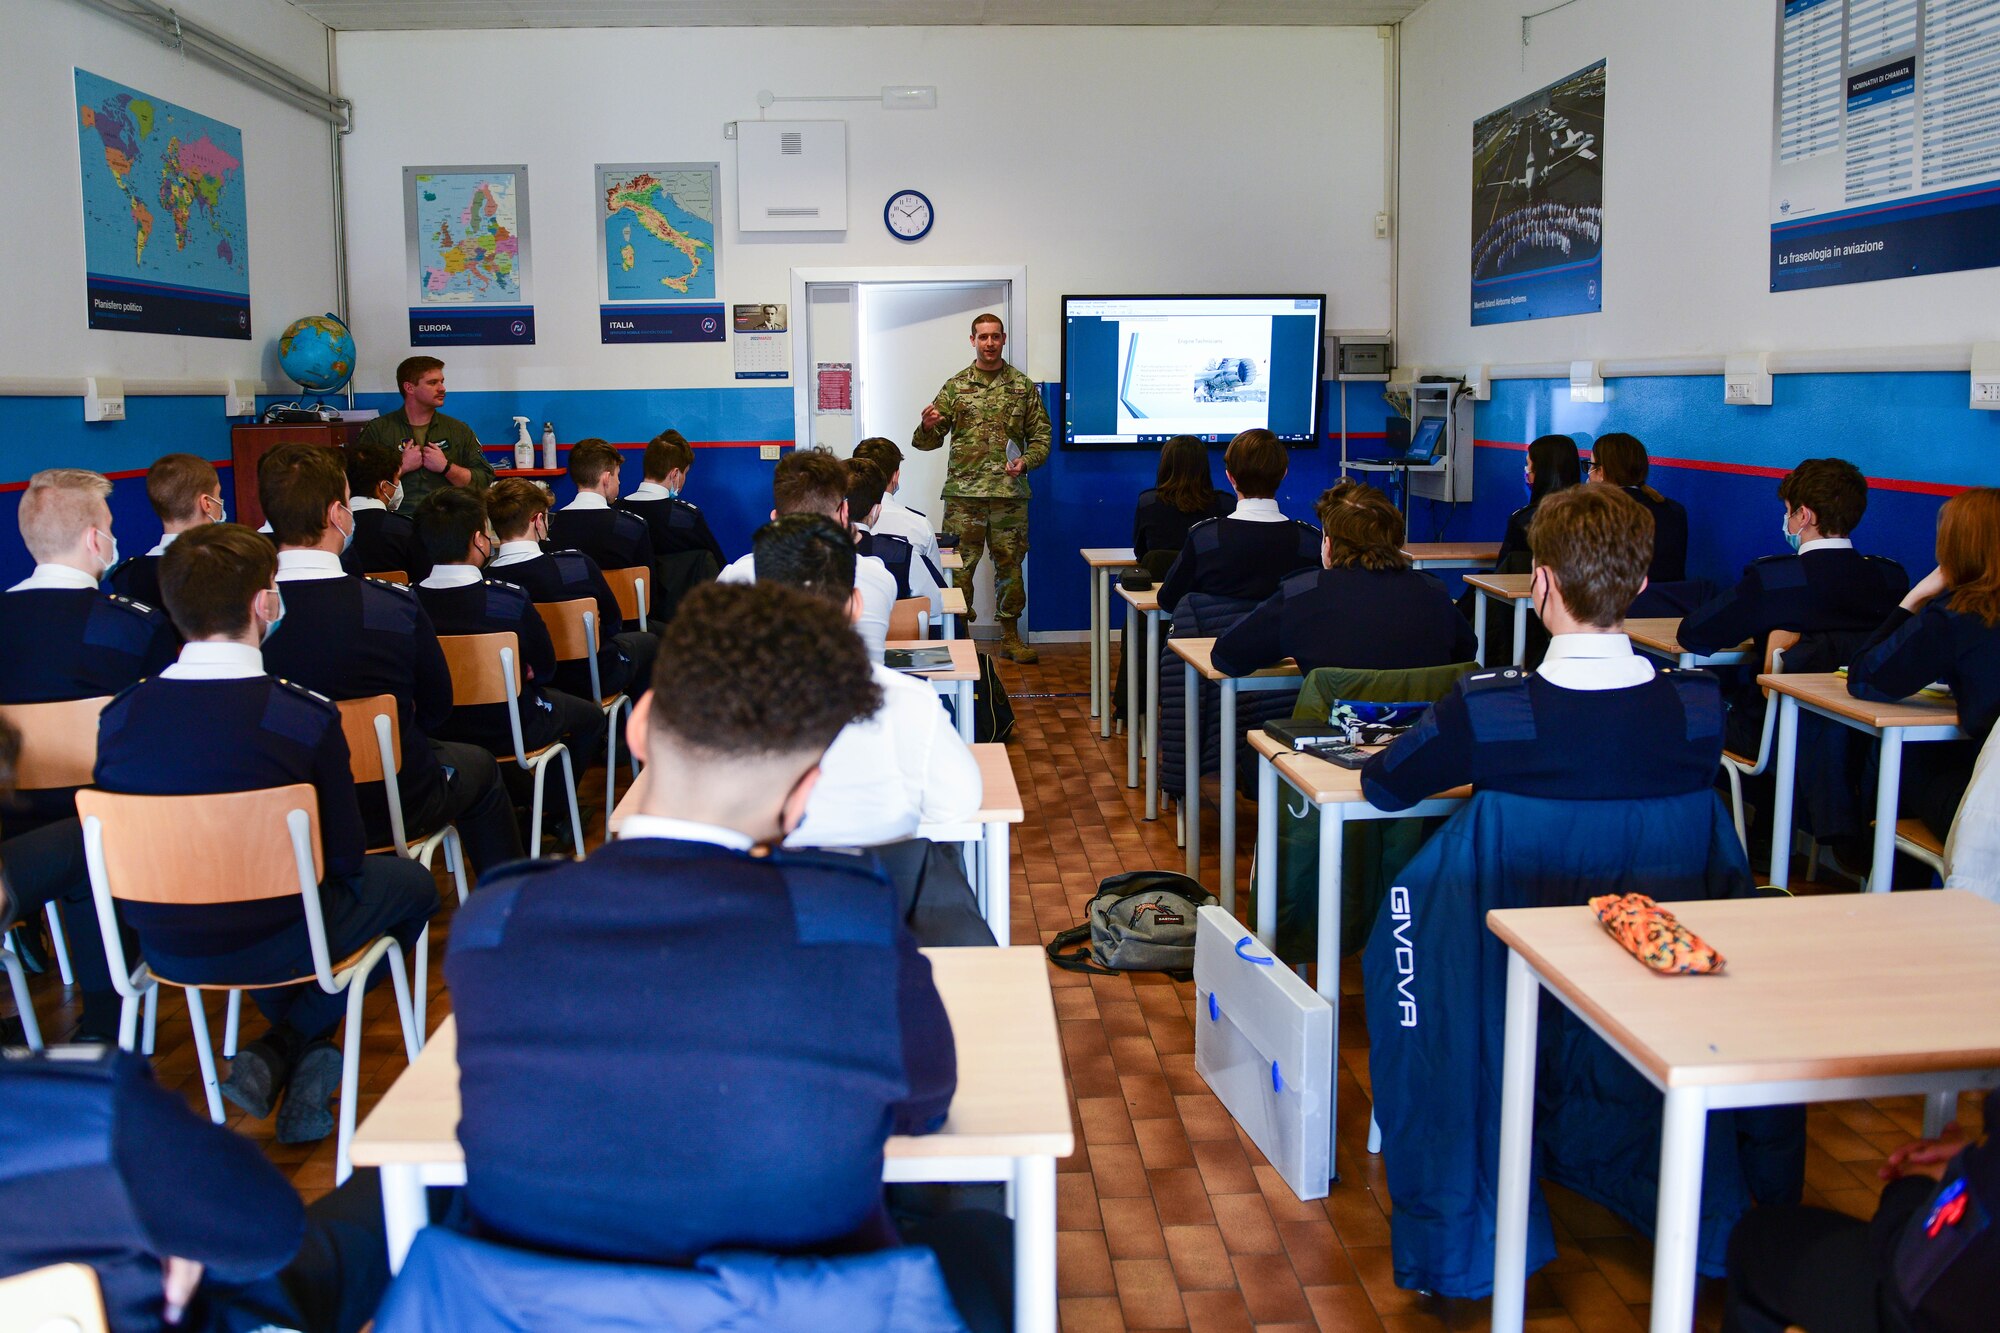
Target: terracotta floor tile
x,y
1148,1294
1245,1222
1343,1310
1180,1197
1285,1205
1316,1253
1147,1097
1205,1117
1200,1259
1083,1265
1270,1288
1076,1202
1118,1171
1592,1304
1220,1311
1224,1168
1104,1120
1090,1314
1132,1228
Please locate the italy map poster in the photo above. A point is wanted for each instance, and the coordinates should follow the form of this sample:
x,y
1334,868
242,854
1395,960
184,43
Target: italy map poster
x,y
1538,204
657,264
466,231
1885,157
166,238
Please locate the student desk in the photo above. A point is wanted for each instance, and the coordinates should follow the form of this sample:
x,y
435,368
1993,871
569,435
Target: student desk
x,y
1661,638
954,683
1336,793
1009,1120
952,605
1825,693
984,833
1145,603
1102,560
1501,588
949,563
1195,655
1909,1004
1452,555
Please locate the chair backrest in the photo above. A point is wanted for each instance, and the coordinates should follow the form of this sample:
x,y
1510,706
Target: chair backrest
x,y
58,742
228,847
62,1298
1780,642
364,748
572,627
477,676
906,617
390,576
629,586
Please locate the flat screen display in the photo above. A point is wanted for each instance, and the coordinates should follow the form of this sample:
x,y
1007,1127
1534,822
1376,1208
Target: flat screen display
x,y
1139,370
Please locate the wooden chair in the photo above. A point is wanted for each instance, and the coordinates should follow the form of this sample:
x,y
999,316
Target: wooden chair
x,y
910,618
58,749
1915,839
629,587
219,849
486,669
574,630
391,576
375,754
62,1298
1737,767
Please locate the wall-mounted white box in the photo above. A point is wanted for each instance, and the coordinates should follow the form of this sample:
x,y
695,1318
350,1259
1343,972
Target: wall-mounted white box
x,y
1746,379
103,398
1585,384
1986,376
791,175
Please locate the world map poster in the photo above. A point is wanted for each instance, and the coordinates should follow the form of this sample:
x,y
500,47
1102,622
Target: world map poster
x,y
466,231
166,240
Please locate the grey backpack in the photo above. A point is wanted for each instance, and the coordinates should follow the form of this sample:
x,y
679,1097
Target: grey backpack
x,y
1140,921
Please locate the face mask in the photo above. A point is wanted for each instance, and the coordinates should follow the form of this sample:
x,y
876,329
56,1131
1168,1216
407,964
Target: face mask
x,y
221,509
673,492
1785,526
111,540
396,497
271,625
346,533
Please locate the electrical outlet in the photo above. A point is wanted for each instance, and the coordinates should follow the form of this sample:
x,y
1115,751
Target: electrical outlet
x,y
729,130
103,398
768,452
1381,226
240,399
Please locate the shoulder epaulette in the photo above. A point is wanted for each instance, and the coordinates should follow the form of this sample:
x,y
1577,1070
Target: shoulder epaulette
x,y
1499,706
1206,535
1304,581
119,697
1496,678
297,688
503,583
130,603
403,588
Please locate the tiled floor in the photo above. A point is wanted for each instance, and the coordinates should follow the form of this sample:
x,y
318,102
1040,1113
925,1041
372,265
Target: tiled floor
x,y
1170,1218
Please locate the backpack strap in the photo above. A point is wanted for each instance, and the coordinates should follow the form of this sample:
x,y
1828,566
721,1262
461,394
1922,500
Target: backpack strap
x,y
1070,951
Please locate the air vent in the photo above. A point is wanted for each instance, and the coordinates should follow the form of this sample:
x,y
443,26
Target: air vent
x,y
792,212
791,143
791,175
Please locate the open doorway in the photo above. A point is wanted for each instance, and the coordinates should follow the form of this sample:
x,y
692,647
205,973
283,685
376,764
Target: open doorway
x,y
901,333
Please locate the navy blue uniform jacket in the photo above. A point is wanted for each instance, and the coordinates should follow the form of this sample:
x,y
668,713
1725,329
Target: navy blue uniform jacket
x,y
673,1048
562,576
1241,559
1670,536
1158,526
497,607
676,525
614,538
137,577
107,1168
386,540
1367,619
1831,589
1908,652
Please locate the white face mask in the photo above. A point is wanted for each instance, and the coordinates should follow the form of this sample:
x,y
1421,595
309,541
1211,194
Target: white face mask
x,y
110,540
221,509
346,533
1785,526
271,625
396,498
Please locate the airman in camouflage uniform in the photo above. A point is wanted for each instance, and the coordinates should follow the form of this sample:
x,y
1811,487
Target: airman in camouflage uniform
x,y
985,407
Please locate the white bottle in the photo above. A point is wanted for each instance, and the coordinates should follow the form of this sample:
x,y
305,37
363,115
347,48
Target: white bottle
x,y
524,448
549,444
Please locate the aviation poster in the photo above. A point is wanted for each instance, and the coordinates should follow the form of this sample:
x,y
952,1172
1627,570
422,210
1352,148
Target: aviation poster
x,y
1538,204
1885,140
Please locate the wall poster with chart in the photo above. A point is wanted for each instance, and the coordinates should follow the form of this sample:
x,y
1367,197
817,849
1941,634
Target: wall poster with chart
x,y
1538,204
1885,140
466,233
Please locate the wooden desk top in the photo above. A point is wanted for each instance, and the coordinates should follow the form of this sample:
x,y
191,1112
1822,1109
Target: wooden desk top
x,y
1198,652
952,600
1828,690
1841,986
1513,587
1484,552
1010,1101
964,658
1148,600
1661,634
950,560
1103,557
1324,783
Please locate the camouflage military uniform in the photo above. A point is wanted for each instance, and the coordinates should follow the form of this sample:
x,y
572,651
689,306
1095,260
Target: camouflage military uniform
x,y
983,506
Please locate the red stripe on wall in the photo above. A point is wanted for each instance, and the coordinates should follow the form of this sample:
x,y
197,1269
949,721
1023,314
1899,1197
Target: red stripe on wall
x,y
1754,470
641,446
127,475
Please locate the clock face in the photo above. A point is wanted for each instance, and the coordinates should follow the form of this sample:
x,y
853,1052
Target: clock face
x,y
908,215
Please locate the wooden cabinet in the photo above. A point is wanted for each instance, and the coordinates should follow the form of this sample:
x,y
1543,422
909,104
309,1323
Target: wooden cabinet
x,y
248,444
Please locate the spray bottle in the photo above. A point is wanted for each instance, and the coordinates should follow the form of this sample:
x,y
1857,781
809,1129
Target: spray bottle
x,y
549,444
524,448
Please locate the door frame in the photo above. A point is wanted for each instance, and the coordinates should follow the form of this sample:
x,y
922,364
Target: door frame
x,y
805,392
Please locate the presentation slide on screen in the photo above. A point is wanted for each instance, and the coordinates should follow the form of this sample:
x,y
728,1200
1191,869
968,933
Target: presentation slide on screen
x,y
1142,370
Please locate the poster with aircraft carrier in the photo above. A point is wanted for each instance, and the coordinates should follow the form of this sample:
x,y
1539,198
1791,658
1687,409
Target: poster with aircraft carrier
x,y
1885,140
1538,204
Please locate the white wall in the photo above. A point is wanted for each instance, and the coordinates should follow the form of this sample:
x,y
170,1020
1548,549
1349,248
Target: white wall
x,y
1104,159
1686,192
43,323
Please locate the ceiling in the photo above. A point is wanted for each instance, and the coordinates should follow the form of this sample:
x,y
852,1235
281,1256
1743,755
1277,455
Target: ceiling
x,y
365,15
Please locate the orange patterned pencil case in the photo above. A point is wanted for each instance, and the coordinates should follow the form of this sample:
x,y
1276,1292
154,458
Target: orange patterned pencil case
x,y
1653,935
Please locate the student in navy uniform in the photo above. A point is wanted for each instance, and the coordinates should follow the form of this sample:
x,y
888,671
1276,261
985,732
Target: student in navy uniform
x,y
1181,496
761,1013
613,537
184,1222
1553,465
1596,721
675,523
519,513
353,638
897,518
915,576
1248,554
185,492
460,599
384,539
217,721
1367,609
1622,461
1946,629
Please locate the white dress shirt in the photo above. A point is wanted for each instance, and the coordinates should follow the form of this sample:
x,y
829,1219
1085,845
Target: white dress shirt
x,y
871,576
1594,662
683,830
215,661
1826,544
514,552
66,576
588,500
651,490
300,566
923,583
886,775
453,576
1258,511
357,503
166,540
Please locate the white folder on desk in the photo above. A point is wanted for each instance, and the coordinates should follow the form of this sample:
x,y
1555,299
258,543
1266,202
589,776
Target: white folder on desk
x,y
1264,1041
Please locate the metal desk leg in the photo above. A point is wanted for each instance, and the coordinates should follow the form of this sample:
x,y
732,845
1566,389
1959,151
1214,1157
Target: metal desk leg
x,y
1104,653
999,902
1479,625
1677,1230
1153,716
1939,1110
1191,800
1331,844
1517,1130
1267,853
1096,640
965,711
1226,738
949,624
1520,631
1785,778
1888,779
404,1209
1131,670
1035,1245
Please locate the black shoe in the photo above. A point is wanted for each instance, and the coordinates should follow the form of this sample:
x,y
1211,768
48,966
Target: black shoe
x,y
256,1076
307,1115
